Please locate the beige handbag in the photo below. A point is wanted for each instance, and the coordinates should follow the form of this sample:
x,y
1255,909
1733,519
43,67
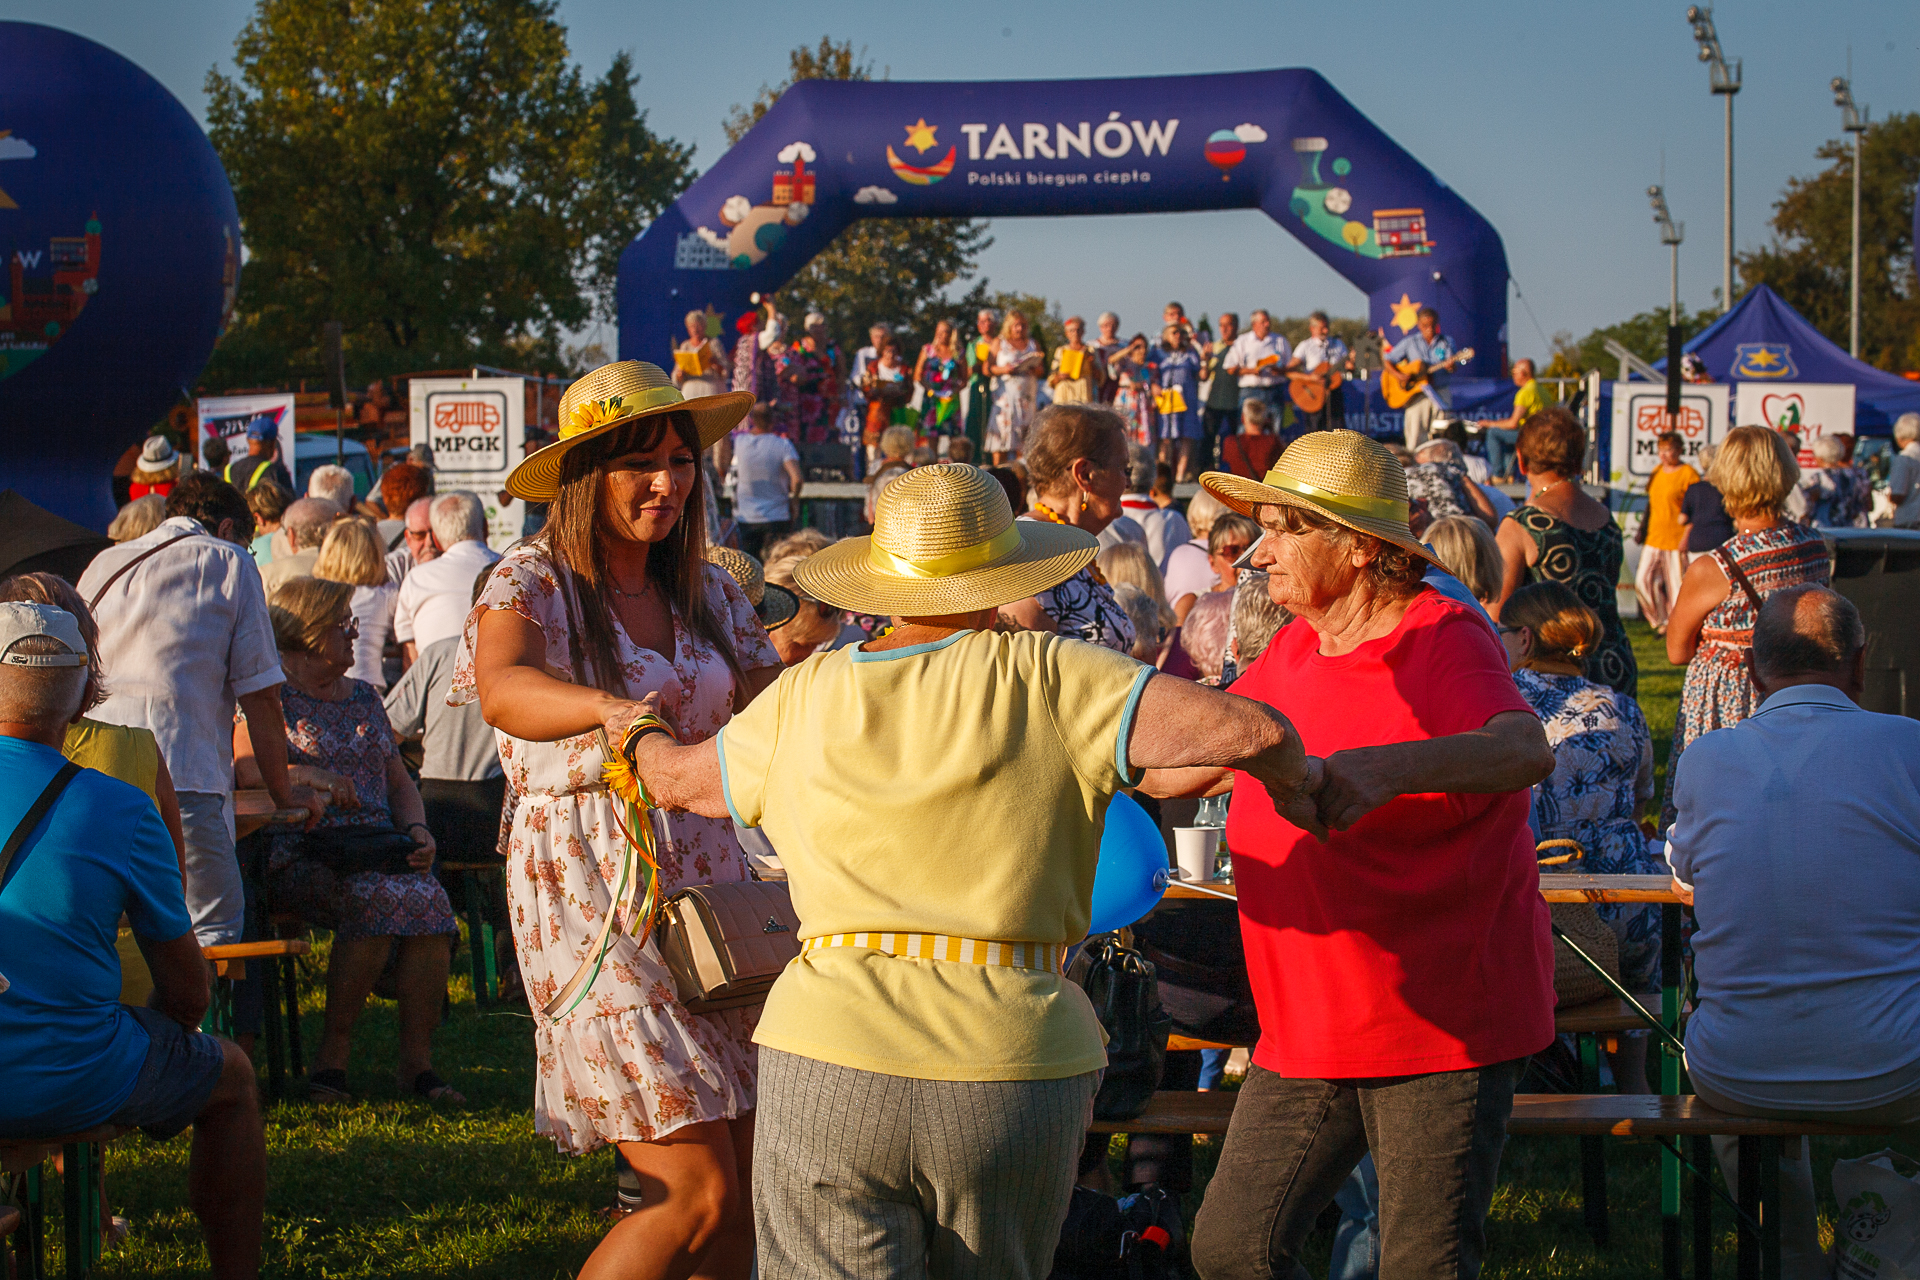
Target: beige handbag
x,y
1574,981
726,943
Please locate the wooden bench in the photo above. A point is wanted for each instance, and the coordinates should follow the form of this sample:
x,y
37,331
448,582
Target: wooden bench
x,y
486,977
281,1027
254,810
21,1161
1596,1115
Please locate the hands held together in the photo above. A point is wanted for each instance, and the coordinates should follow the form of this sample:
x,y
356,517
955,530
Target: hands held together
x,y
1330,793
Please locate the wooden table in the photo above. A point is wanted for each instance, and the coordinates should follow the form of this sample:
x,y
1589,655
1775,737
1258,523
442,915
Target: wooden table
x,y
1554,887
254,809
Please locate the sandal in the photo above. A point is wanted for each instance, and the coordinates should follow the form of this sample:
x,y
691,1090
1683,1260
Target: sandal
x,y
429,1086
328,1085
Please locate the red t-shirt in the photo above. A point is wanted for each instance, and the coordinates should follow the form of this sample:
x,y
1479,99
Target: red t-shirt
x,y
1416,940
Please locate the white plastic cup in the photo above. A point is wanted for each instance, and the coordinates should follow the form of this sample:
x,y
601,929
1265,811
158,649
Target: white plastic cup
x,y
1195,848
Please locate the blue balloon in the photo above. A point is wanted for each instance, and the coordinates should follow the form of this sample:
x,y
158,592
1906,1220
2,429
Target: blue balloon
x,y
1132,874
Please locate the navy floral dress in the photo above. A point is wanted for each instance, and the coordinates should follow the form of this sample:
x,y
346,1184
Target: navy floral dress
x,y
352,738
1602,774
1084,607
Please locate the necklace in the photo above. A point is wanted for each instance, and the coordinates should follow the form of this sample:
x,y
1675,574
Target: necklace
x,y
1549,488
1046,513
646,588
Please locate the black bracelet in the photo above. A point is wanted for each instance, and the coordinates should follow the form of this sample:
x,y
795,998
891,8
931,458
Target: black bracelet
x,y
423,826
634,741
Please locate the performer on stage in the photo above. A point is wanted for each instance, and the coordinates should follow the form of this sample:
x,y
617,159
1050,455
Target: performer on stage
x,y
1434,352
1324,355
937,796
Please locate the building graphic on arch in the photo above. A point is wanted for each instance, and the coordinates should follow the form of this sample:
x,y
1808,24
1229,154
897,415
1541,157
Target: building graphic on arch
x,y
46,292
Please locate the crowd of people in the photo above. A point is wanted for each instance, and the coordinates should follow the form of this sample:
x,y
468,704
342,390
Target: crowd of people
x,y
1400,679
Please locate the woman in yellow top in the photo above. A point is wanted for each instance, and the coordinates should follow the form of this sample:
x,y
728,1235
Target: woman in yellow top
x,y
937,795
1663,539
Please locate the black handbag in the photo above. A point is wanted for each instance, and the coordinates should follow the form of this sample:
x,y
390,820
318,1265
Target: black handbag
x,y
1136,1238
1125,993
347,851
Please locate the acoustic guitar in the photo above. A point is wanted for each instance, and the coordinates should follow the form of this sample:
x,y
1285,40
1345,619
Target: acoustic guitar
x,y
1402,382
1309,391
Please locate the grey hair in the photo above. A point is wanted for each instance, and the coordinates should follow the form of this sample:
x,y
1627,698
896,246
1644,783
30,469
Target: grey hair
x,y
44,697
138,518
1108,315
457,517
1140,469
1804,630
1448,449
1144,612
1257,411
334,483
307,520
1203,635
1907,427
1202,511
1829,448
1256,619
989,312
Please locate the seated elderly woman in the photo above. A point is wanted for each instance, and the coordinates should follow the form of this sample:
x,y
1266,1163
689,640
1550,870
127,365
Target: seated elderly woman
x,y
338,730
926,1073
1417,916
1602,776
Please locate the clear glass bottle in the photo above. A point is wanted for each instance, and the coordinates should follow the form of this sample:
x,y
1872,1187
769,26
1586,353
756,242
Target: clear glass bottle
x,y
1213,813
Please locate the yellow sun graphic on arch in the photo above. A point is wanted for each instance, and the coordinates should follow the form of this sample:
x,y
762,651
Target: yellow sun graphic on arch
x,y
1406,314
920,136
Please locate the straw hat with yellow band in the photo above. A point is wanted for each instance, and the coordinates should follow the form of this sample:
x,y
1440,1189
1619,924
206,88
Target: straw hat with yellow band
x,y
1344,476
944,542
775,605
612,395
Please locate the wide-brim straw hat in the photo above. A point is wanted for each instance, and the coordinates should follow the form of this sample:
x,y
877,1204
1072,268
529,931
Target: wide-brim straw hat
x,y
1344,476
944,541
775,605
610,396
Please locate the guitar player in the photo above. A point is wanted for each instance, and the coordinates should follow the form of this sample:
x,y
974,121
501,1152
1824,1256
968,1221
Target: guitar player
x,y
1321,354
1433,352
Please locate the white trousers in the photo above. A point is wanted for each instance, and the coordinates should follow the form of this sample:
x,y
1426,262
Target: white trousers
x,y
1657,583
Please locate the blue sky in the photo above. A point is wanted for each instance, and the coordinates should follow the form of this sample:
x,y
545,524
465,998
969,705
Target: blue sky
x,y
1550,117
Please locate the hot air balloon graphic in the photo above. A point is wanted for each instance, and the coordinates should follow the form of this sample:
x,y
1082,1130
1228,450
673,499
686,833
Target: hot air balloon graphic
x,y
1228,147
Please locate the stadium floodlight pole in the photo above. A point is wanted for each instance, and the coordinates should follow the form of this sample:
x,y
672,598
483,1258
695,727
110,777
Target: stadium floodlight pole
x,y
1724,78
1671,234
1854,121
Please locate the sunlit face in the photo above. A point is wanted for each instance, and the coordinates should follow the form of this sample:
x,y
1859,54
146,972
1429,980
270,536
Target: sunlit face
x,y
644,492
1229,327
984,322
1105,485
876,337
1221,562
335,653
1174,337
1669,454
942,334
1017,329
1317,327
1172,315
1262,324
1428,326
1306,572
1075,331
1522,372
696,329
1109,328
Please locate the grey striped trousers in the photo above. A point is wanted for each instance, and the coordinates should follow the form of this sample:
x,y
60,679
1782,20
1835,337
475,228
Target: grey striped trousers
x,y
862,1176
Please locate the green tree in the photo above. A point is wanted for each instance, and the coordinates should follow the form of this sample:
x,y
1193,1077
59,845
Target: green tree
x,y
892,270
1644,334
435,174
1808,262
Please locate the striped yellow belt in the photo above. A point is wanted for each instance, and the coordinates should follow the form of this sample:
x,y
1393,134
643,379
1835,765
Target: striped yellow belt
x,y
1046,956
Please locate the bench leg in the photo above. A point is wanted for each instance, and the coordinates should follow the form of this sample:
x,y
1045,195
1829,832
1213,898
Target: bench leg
x,y
1593,1149
479,940
274,1028
1669,1084
80,1190
29,1239
1701,1151
290,985
1749,1200
1769,1161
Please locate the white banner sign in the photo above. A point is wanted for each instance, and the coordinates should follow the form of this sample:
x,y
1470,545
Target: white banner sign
x,y
1807,409
476,428
228,416
1640,417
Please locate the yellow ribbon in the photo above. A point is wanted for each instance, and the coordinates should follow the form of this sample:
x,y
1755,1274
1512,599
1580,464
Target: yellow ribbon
x,y
1345,504
978,556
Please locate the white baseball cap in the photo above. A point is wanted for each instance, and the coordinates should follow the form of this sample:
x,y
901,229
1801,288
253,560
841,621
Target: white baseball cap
x,y
21,620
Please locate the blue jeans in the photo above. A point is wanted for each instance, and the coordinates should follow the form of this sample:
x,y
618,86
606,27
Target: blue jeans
x,y
1274,397
1500,450
1356,1241
1213,1065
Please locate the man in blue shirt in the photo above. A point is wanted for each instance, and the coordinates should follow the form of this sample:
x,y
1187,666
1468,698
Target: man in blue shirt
x,y
72,1058
1434,351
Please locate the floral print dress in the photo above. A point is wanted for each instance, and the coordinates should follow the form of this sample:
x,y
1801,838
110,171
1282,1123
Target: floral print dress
x,y
1602,774
629,1064
1084,606
809,393
1016,396
353,738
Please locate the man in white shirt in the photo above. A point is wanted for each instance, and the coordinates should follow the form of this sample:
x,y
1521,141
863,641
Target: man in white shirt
x,y
184,635
305,524
436,597
1903,481
1797,842
856,376
1166,527
766,482
1258,358
1322,354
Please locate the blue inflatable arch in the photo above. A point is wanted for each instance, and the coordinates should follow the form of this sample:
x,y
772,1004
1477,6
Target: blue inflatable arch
x,y
830,151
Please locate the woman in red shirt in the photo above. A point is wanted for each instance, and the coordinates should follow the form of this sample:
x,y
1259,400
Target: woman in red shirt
x,y
1402,964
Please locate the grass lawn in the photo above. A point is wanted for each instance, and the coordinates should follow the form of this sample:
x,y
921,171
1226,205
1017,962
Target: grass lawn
x,y
395,1187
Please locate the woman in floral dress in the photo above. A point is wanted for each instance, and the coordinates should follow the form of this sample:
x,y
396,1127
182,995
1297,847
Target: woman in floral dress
x,y
940,373
1133,375
810,390
1077,460
1602,775
614,600
1016,388
338,738
1711,628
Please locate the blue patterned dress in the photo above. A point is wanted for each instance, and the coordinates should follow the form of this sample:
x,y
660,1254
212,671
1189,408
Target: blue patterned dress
x,y
1085,609
1602,774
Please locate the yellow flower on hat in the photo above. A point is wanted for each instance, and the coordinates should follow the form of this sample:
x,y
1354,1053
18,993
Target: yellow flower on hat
x,y
589,414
